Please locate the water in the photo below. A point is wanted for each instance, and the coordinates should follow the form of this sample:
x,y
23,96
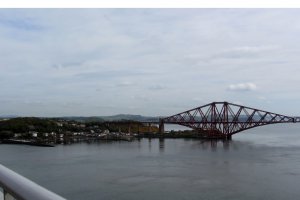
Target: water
x,y
261,163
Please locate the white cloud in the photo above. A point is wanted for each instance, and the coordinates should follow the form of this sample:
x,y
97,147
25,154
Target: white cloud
x,y
156,87
243,52
242,87
124,84
252,49
263,98
238,103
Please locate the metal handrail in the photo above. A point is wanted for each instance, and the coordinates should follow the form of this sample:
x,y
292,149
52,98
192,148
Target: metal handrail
x,y
22,188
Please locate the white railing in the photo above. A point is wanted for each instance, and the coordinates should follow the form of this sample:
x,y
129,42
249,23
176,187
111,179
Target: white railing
x,y
16,187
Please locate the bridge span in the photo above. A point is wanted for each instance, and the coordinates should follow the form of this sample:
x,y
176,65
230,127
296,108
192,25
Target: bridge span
x,y
223,119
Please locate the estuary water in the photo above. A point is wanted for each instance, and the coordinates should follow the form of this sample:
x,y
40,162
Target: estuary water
x,y
260,163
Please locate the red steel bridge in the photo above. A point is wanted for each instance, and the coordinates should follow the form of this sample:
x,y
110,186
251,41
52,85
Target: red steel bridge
x,y
223,119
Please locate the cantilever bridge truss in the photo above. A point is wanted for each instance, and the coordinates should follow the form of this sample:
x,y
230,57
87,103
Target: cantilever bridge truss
x,y
223,119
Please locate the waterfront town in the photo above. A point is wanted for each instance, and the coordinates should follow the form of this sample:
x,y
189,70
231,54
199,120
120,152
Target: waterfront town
x,y
32,130
54,130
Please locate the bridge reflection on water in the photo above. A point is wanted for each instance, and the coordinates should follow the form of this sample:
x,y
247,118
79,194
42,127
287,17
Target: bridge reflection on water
x,y
202,143
160,143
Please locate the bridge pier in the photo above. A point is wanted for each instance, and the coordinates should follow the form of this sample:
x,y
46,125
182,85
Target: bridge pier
x,y
228,137
161,127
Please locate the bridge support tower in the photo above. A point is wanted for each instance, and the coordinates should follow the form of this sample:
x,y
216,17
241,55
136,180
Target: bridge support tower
x,y
161,127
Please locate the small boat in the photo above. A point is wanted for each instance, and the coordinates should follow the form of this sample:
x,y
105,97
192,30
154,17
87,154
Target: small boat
x,y
26,142
127,138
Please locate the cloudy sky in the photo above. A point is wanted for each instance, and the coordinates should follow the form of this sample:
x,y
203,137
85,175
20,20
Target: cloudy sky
x,y
59,62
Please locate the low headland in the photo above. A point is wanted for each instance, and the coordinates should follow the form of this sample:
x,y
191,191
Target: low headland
x,y
51,131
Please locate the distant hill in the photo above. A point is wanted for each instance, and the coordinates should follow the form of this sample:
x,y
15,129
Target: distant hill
x,y
120,117
129,117
7,116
